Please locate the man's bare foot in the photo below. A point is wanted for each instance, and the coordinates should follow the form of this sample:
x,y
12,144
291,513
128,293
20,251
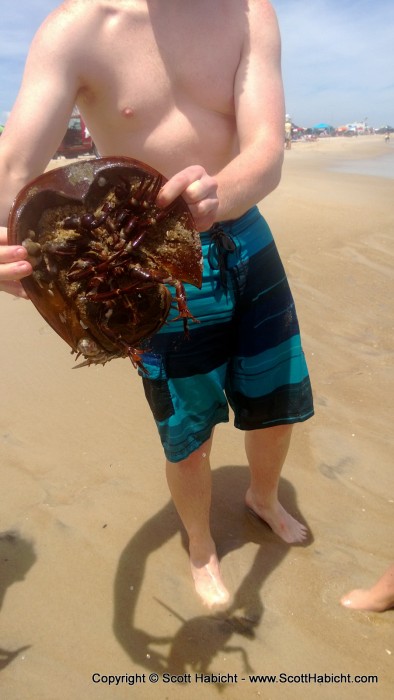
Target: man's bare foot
x,y
279,520
208,582
365,599
377,599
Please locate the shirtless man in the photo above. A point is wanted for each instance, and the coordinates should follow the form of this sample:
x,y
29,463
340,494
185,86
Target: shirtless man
x,y
193,88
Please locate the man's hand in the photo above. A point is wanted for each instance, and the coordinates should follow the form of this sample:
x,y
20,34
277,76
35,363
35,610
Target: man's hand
x,y
198,189
13,266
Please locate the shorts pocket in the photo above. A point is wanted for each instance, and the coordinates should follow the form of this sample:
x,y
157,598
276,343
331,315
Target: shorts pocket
x,y
156,387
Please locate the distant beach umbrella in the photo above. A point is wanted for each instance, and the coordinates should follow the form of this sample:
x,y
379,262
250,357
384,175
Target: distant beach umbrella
x,y
322,126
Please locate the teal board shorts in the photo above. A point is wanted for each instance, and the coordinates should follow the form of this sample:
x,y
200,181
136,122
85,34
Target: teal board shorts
x,y
245,351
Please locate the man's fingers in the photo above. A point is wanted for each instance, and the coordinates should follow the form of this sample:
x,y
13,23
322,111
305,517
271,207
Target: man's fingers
x,y
198,189
204,213
192,183
12,253
13,265
14,288
177,184
15,271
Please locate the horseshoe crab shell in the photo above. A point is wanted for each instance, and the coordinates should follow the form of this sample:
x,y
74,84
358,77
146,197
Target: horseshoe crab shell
x,y
103,253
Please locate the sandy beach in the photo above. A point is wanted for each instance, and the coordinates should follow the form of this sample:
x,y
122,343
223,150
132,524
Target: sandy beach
x,y
94,577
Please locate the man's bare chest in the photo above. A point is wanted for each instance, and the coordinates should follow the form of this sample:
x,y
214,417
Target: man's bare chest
x,y
145,64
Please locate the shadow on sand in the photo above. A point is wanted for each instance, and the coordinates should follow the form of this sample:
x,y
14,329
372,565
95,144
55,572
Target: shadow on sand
x,y
200,639
16,558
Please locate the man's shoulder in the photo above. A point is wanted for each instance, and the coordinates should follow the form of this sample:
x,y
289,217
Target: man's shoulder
x,y
68,10
260,11
70,19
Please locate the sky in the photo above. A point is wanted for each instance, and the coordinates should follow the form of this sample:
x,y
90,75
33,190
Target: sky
x,y
337,57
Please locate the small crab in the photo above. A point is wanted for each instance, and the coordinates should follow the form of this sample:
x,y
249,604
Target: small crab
x,y
104,255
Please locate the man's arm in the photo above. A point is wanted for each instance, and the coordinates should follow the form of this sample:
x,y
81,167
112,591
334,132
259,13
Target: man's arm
x,y
41,112
34,129
259,108
259,105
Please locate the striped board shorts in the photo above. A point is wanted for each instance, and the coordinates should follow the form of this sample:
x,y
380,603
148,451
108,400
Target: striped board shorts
x,y
245,352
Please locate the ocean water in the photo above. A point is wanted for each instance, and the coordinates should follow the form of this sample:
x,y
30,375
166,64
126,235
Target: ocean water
x,y
380,166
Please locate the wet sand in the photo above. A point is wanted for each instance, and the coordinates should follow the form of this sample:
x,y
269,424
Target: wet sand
x,y
94,576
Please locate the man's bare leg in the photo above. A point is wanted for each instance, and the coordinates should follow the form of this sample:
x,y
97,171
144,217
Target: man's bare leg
x,y
266,451
377,599
190,486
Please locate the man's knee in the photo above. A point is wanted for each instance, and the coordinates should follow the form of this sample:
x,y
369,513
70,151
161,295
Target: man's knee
x,y
195,459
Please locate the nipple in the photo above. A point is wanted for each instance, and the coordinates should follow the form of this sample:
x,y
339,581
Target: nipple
x,y
127,112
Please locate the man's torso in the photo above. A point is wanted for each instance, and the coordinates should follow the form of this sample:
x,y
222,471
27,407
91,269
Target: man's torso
x,y
158,80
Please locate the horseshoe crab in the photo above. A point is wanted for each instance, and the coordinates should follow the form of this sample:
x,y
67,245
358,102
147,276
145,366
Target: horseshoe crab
x,y
103,254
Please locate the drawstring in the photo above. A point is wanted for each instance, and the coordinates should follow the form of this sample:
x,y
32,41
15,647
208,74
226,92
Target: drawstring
x,y
220,246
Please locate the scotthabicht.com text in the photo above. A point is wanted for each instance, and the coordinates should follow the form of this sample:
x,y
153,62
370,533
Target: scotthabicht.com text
x,y
233,678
